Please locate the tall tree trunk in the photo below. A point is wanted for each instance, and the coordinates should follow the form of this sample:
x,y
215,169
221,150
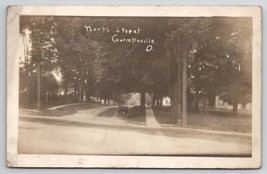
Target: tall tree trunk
x,y
142,101
196,99
106,101
184,91
75,89
160,102
176,103
87,93
153,100
39,76
47,96
87,97
66,91
157,102
28,96
176,98
235,107
28,73
81,91
212,100
39,85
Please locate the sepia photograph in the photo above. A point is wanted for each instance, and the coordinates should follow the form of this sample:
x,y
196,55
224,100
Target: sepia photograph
x,y
117,86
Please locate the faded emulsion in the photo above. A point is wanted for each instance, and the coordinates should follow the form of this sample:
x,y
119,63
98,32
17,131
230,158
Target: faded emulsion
x,y
161,86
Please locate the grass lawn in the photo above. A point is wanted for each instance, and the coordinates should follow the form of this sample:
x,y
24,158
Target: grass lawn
x,y
214,120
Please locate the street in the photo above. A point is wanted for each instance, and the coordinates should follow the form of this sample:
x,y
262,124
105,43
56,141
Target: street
x,y
99,130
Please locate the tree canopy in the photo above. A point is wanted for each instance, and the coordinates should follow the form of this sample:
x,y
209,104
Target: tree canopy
x,y
108,56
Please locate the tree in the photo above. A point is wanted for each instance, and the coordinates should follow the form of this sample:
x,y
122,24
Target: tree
x,y
222,65
40,51
78,52
182,40
195,50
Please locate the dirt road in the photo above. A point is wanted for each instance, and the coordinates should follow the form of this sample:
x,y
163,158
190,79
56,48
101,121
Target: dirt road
x,y
91,131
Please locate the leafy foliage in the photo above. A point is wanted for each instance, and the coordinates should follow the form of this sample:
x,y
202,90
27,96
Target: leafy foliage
x,y
218,53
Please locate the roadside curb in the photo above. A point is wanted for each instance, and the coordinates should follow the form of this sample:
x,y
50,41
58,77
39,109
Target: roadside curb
x,y
208,131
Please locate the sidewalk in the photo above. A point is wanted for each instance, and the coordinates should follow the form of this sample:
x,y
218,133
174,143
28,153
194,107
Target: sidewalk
x,y
151,119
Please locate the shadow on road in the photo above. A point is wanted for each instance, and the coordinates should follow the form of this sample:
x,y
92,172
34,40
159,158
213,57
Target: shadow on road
x,y
110,112
138,120
162,115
